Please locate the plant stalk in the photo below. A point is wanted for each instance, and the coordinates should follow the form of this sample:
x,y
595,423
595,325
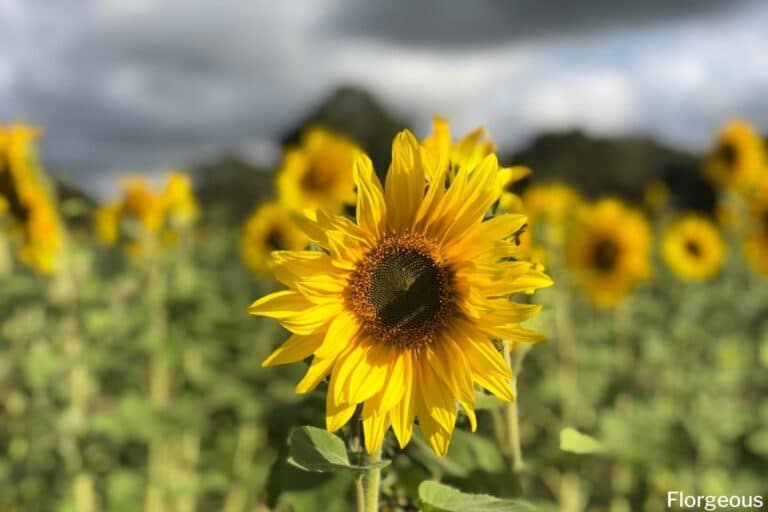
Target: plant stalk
x,y
359,493
371,481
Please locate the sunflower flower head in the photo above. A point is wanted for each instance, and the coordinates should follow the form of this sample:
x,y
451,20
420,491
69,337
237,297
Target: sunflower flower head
x,y
609,250
551,206
270,228
318,172
401,305
693,248
147,218
143,204
756,240
738,158
26,197
179,198
106,223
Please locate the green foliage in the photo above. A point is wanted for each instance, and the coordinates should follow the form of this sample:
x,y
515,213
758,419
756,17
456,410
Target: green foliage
x,y
571,440
436,497
124,380
315,449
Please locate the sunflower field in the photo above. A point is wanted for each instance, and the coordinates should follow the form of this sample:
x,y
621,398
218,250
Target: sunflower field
x,y
447,333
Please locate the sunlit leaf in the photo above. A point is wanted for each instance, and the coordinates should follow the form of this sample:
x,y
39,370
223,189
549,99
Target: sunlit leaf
x,y
437,497
315,449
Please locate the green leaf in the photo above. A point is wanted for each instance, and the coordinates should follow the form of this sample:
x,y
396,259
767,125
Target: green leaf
x,y
436,497
573,441
315,449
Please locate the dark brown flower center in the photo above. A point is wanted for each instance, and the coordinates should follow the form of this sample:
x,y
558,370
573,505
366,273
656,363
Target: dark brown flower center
x,y
727,154
605,255
275,240
401,294
315,180
693,248
9,191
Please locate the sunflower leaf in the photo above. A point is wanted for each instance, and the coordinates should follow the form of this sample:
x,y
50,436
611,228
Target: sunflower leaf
x,y
315,449
573,441
436,497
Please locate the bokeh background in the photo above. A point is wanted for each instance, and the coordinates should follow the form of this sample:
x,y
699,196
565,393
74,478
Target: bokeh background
x,y
130,382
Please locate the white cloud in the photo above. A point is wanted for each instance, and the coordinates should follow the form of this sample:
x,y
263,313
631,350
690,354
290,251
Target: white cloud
x,y
123,84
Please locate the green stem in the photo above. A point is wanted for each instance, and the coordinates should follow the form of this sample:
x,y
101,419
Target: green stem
x,y
359,494
511,411
371,481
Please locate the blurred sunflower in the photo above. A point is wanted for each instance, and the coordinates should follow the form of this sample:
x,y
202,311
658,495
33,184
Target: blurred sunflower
x,y
106,223
756,241
738,159
550,206
143,205
269,228
468,152
34,220
179,198
610,251
693,248
553,202
400,307
145,218
318,172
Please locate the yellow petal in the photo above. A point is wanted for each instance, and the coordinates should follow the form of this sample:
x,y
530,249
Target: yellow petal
x,y
342,329
436,436
437,398
348,362
290,266
375,424
336,414
483,353
317,371
393,390
371,209
402,414
404,186
280,304
369,377
295,349
313,319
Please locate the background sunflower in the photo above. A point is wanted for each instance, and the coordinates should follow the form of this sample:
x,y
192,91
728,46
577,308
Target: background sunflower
x,y
693,248
609,249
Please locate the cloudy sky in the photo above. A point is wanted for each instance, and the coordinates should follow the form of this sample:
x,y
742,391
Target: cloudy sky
x,y
133,84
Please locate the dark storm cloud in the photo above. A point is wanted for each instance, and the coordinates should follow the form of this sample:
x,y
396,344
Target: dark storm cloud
x,y
126,84
457,23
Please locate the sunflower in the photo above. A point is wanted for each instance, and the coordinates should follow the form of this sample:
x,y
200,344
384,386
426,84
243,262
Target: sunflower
x,y
106,223
179,198
146,218
738,159
401,306
468,152
553,202
24,191
693,248
143,205
609,251
318,172
269,228
756,240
